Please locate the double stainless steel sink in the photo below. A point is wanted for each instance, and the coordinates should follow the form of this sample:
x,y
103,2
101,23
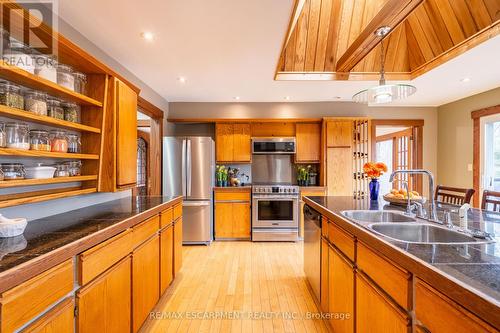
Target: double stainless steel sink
x,y
399,227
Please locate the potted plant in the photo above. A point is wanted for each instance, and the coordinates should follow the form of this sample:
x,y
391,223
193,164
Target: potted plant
x,y
303,175
221,175
374,171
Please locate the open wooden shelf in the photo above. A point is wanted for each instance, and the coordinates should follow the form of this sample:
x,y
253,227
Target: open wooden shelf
x,y
46,154
58,180
22,77
45,120
44,195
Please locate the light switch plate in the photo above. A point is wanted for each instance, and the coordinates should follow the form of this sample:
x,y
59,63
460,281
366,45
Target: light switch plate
x,y
469,167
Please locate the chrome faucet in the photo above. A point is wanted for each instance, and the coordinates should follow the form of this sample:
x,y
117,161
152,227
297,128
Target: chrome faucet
x,y
433,209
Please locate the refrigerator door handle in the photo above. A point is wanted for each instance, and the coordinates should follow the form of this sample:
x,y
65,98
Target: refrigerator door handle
x,y
195,204
188,168
183,171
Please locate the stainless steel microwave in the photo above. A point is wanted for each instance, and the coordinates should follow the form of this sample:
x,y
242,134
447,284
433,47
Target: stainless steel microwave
x,y
273,145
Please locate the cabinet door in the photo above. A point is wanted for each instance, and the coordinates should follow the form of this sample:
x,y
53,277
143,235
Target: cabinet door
x,y
104,305
241,220
224,142
341,292
166,258
339,133
375,313
126,135
308,138
324,276
339,171
177,246
145,280
241,143
223,220
59,319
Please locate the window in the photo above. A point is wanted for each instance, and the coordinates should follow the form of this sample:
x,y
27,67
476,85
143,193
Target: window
x,y
142,174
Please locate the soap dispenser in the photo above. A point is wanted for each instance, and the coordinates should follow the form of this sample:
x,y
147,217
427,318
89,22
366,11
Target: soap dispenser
x,y
462,213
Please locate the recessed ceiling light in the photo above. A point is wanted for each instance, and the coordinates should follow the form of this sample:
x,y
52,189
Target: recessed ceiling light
x,y
147,35
287,98
237,98
181,79
337,97
465,79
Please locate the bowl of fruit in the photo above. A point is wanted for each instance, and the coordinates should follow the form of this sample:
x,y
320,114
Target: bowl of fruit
x,y
400,197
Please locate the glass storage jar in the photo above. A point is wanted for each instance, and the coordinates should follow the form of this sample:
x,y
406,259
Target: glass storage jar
x,y
10,95
80,83
40,140
62,170
58,141
46,67
17,136
13,171
74,144
71,112
74,168
54,108
65,76
3,136
36,102
20,55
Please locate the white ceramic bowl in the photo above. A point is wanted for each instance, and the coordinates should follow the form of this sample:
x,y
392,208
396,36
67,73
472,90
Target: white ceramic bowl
x,y
14,228
40,172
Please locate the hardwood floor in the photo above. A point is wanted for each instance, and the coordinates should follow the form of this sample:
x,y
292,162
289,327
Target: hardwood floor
x,y
261,282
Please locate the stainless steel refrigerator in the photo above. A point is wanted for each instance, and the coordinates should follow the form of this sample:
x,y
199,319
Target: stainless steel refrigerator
x,y
188,170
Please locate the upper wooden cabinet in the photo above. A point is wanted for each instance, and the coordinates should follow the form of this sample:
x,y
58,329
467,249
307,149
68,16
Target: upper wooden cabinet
x,y
126,138
339,133
308,138
233,142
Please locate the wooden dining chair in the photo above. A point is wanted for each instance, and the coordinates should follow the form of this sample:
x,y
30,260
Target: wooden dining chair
x,y
491,201
453,195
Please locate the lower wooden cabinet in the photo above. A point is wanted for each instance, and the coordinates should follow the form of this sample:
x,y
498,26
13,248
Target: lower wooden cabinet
x,y
340,292
436,313
59,319
104,305
232,220
375,313
324,275
166,257
177,246
145,280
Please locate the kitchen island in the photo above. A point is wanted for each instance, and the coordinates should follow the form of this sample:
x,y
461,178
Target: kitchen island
x,y
124,251
450,287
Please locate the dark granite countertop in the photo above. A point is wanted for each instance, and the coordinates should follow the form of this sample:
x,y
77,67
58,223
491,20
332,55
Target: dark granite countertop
x,y
475,268
74,231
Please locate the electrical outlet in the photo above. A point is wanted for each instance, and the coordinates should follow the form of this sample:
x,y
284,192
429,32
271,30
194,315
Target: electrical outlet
x,y
469,167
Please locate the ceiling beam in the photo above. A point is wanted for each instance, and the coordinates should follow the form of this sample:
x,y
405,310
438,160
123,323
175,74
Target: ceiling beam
x,y
392,13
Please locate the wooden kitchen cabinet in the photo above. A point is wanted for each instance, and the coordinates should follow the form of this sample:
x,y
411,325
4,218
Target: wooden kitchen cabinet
x,y
308,137
304,192
375,312
437,313
339,133
177,245
233,214
126,135
145,280
166,257
104,305
59,319
339,163
232,142
324,279
341,291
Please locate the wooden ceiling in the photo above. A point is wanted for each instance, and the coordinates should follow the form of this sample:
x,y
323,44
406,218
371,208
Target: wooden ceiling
x,y
334,39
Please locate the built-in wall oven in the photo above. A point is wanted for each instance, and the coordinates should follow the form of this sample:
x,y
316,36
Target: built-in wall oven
x,y
275,213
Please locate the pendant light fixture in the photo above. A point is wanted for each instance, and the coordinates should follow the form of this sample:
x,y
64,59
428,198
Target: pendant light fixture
x,y
383,93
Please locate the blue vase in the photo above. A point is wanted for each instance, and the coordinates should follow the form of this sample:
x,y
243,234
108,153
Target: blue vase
x,y
374,188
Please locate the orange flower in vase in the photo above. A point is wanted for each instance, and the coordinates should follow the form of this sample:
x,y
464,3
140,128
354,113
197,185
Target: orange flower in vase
x,y
374,171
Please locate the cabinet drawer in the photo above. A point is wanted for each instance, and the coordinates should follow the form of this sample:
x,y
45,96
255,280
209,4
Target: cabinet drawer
x,y
144,230
232,196
345,242
394,280
96,260
22,303
166,217
59,319
177,211
437,313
